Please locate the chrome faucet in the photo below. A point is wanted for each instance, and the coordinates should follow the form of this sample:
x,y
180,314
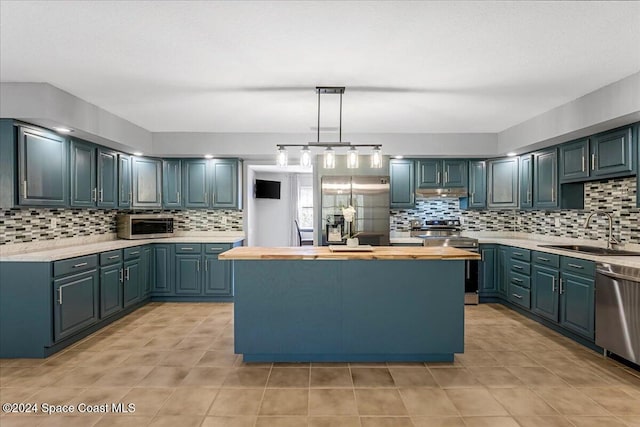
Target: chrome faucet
x,y
610,240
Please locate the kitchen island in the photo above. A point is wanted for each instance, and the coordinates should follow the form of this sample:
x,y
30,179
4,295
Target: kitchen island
x,y
302,304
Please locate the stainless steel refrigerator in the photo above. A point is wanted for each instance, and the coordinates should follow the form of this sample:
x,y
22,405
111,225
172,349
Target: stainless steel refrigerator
x,y
369,195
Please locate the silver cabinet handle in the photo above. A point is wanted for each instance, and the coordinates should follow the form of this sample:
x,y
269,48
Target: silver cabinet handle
x,y
186,249
24,188
101,192
543,259
134,253
576,266
553,284
515,279
205,196
121,276
94,195
198,264
82,264
583,164
517,267
446,177
206,266
129,195
553,194
517,253
561,287
438,177
127,273
60,295
178,196
114,257
216,249
517,296
473,197
593,161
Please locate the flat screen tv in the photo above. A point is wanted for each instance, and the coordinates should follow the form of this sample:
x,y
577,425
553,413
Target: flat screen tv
x,y
267,189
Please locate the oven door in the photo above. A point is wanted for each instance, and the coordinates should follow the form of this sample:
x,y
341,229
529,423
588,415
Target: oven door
x,y
471,278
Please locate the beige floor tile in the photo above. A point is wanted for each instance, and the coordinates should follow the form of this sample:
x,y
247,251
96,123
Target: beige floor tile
x,y
372,377
332,402
218,359
17,394
147,400
57,395
246,377
81,377
537,377
454,377
631,421
570,401
164,376
475,402
386,422
437,422
413,377
187,358
334,422
428,401
596,422
379,402
537,421
21,420
281,421
495,377
578,376
477,358
123,376
522,401
490,422
144,358
176,420
205,377
289,377
122,421
213,421
237,402
100,395
513,358
189,400
614,400
331,377
285,402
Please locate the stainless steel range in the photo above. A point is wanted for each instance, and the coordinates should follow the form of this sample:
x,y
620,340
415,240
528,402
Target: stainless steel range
x,y
446,232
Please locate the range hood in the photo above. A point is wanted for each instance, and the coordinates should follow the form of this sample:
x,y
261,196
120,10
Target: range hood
x,y
442,192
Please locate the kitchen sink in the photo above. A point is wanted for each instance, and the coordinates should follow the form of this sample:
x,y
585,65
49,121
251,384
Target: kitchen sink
x,y
592,250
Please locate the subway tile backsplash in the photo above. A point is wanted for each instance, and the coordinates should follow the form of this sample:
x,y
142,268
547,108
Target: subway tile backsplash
x,y
28,225
616,196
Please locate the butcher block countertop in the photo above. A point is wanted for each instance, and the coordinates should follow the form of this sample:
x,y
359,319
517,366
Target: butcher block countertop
x,y
324,253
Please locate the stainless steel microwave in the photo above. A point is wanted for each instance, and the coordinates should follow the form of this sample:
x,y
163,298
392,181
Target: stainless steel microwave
x,y
144,226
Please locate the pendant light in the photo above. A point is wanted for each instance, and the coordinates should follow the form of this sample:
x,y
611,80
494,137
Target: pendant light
x,y
283,156
329,158
376,157
305,157
352,158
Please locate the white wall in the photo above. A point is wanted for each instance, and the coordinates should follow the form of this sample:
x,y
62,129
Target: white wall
x,y
272,223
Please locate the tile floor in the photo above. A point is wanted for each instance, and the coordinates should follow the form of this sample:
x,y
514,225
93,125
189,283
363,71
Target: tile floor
x,y
175,362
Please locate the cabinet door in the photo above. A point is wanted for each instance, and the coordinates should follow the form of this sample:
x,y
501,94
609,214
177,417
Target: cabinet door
x,y
574,161
487,285
402,176
526,181
224,189
503,183
107,178
43,169
429,173
477,184
145,272
75,304
131,288
124,181
503,270
217,276
545,179
171,183
195,183
83,174
545,290
577,304
163,267
147,182
611,152
188,275
111,280
454,173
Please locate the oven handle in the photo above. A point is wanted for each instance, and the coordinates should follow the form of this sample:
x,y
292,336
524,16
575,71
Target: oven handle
x,y
618,276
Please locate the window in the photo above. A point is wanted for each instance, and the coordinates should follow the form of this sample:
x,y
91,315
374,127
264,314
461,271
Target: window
x,y
305,206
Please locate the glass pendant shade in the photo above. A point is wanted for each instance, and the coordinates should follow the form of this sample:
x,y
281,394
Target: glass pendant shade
x,y
305,157
352,158
376,158
329,158
283,157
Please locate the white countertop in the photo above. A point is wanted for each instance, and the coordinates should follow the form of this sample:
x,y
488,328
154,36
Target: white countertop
x,y
47,251
533,242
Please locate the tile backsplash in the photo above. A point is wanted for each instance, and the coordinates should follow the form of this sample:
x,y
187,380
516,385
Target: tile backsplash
x,y
616,196
28,225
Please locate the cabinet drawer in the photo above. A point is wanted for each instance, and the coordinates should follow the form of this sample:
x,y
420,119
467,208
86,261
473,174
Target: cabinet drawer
x,y
520,280
74,265
578,266
520,296
521,254
550,260
111,257
188,248
520,267
134,252
216,248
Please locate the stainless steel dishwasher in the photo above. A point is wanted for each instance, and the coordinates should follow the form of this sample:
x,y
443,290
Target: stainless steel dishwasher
x,y
618,310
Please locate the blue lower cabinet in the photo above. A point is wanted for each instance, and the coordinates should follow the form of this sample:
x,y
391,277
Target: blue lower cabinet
x,y
545,289
487,285
502,270
163,260
111,279
519,295
145,272
131,285
577,304
76,303
218,276
188,275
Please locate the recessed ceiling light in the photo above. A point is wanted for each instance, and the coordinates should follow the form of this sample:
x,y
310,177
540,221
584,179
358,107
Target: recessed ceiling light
x,y
511,154
63,130
398,157
208,156
137,153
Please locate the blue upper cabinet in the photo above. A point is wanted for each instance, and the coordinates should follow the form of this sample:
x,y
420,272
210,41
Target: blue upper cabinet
x,y
195,183
83,174
107,178
477,184
429,173
454,173
124,181
42,168
611,152
502,183
402,180
574,161
637,148
147,183
526,181
437,173
224,184
171,183
545,173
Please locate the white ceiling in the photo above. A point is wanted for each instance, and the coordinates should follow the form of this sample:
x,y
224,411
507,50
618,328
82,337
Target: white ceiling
x,y
246,66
